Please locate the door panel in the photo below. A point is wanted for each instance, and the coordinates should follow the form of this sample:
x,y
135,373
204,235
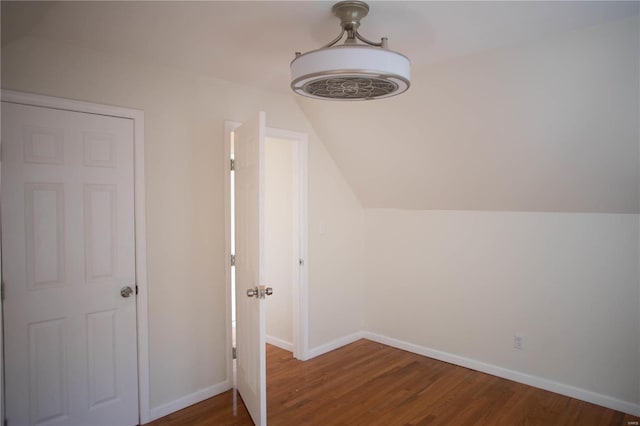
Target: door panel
x,y
68,248
47,378
250,319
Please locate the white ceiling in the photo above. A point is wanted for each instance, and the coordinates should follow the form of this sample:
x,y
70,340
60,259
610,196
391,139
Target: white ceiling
x,y
252,43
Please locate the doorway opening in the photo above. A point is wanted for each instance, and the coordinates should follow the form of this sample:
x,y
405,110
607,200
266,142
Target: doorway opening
x,y
285,183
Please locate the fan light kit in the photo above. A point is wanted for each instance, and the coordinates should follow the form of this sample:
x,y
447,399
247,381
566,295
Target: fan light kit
x,y
351,71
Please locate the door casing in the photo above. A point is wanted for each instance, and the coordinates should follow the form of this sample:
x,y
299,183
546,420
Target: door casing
x,y
139,221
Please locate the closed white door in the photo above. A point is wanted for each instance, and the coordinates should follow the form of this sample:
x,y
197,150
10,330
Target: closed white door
x,y
68,268
249,222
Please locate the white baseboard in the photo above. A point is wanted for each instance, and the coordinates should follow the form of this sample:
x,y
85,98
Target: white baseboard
x,y
333,345
187,400
282,344
516,376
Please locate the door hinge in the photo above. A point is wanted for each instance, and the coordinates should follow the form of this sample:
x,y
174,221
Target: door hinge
x,y
233,260
301,262
234,353
136,288
233,164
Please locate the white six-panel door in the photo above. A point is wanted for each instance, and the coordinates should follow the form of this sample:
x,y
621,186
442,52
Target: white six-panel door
x,y
249,223
68,251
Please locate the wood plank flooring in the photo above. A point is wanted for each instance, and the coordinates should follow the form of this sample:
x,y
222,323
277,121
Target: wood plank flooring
x,y
367,383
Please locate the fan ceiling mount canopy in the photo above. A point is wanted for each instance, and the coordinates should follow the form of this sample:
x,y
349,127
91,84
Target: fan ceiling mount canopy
x,y
353,70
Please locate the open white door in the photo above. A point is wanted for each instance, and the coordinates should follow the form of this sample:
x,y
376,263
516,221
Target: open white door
x,y
250,321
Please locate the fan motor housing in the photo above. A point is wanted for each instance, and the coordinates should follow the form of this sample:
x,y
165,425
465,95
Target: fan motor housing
x,y
350,72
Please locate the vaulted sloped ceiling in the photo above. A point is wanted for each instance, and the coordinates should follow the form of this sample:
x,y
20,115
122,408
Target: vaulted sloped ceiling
x,y
550,125
527,106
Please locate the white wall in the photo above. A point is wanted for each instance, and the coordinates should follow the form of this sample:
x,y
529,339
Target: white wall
x,y
279,255
184,140
336,256
465,282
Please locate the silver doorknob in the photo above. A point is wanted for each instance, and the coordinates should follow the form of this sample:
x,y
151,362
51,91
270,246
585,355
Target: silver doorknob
x,y
126,291
252,292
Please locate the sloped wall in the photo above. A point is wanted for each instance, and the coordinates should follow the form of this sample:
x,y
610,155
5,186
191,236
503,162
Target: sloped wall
x,y
550,125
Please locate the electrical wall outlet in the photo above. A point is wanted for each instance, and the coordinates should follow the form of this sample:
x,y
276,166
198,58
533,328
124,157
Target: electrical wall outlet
x,y
518,341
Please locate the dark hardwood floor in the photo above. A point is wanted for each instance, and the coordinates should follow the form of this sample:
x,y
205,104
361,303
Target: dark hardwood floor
x,y
366,383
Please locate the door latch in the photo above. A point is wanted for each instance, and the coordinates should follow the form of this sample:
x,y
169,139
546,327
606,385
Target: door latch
x,y
260,292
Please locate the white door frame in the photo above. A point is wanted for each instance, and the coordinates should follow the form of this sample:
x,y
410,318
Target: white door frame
x,y
300,292
140,225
